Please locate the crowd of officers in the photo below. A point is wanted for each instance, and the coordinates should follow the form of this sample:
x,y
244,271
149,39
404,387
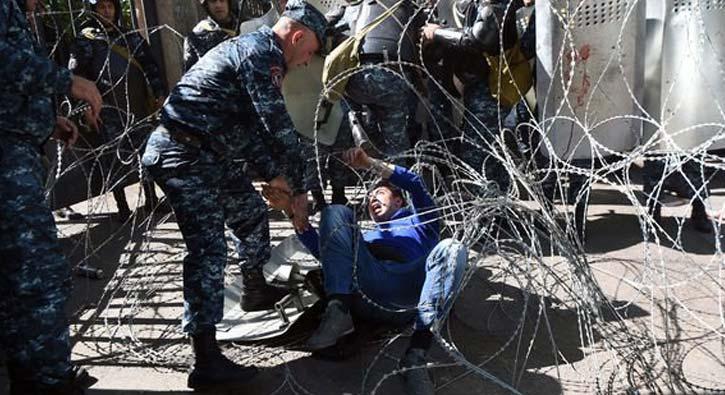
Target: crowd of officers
x,y
227,106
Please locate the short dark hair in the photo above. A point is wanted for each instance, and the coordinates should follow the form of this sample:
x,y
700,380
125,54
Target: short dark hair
x,y
394,189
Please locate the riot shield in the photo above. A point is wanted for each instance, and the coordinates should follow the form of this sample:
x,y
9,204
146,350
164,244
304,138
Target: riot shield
x,y
589,76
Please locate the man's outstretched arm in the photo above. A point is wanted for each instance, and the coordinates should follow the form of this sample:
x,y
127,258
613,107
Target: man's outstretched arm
x,y
398,175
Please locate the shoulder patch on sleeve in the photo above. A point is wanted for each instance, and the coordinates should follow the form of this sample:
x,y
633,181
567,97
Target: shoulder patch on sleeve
x,y
277,76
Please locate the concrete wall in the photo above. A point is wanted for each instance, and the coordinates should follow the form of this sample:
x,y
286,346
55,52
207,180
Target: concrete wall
x,y
180,16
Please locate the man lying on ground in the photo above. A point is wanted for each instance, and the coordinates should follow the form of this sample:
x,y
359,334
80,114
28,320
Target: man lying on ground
x,y
394,273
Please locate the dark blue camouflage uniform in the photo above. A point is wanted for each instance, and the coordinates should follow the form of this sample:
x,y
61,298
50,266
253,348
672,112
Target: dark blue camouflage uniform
x,y
231,99
480,128
391,103
206,35
34,276
384,91
485,22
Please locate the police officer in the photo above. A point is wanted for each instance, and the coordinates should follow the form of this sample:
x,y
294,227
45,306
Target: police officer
x,y
34,276
229,106
384,92
121,64
487,25
215,28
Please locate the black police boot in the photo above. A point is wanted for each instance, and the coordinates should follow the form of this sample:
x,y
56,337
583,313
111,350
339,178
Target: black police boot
x,y
124,212
698,217
25,388
212,370
75,384
257,295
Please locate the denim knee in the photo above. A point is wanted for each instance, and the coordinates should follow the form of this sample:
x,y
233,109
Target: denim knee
x,y
441,252
336,214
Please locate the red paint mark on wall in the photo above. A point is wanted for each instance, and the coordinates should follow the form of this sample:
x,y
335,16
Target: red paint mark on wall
x,y
582,83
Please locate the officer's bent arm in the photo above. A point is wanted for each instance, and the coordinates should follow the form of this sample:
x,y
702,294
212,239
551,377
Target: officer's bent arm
x,y
485,33
269,105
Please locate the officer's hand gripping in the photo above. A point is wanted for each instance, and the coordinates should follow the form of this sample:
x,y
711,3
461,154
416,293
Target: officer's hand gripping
x,y
83,89
65,131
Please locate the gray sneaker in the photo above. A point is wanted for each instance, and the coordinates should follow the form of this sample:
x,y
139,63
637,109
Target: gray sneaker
x,y
336,323
416,381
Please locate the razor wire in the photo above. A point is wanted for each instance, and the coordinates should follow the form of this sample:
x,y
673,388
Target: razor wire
x,y
522,236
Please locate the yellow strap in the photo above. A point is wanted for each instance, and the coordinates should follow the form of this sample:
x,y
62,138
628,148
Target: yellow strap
x,y
509,75
229,32
123,51
150,99
89,33
346,56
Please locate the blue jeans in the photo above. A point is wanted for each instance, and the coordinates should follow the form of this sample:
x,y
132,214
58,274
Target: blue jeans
x,y
423,289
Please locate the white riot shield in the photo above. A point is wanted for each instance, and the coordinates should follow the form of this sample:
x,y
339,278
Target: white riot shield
x,y
301,90
589,76
690,106
288,264
302,86
268,19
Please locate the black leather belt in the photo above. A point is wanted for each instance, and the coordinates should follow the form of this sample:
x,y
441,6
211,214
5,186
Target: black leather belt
x,y
373,58
194,140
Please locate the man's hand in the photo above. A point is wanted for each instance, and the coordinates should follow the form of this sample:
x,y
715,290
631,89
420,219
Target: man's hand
x,y
65,131
83,89
356,158
93,122
428,32
299,211
278,199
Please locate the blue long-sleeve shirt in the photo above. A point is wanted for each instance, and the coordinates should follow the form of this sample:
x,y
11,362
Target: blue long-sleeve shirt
x,y
412,231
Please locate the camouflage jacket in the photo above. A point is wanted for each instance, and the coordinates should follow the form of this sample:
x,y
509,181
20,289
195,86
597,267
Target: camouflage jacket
x,y
28,80
206,35
121,64
233,92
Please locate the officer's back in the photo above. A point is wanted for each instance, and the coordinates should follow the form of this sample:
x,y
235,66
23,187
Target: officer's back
x,y
213,95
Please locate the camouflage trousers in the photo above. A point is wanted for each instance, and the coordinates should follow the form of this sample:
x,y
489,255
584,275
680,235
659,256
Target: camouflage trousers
x,y
441,126
391,103
206,193
35,280
481,137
